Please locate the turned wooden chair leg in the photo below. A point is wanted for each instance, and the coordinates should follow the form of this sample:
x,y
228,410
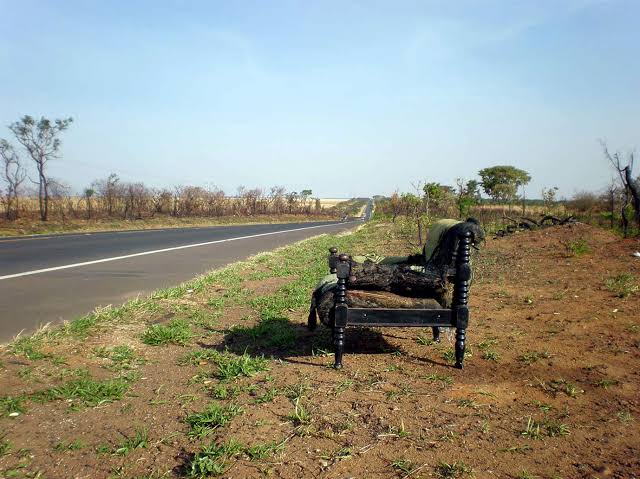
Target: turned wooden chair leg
x,y
338,343
312,320
460,346
436,334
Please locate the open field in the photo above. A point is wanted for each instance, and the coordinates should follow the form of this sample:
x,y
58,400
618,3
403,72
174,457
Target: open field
x,y
221,377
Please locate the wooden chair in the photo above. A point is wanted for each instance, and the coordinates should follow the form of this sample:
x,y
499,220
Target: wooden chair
x,y
456,316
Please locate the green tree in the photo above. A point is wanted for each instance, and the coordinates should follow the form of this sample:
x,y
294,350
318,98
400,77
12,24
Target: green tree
x,y
502,182
41,141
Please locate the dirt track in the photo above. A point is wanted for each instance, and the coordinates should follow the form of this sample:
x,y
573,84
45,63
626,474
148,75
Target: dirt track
x,y
550,387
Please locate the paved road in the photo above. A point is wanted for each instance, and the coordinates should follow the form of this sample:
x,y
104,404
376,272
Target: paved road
x,y
58,277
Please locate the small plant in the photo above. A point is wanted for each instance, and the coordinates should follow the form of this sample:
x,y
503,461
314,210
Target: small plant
x,y
556,429
267,396
71,446
213,460
403,465
623,285
533,357
606,383
139,441
577,248
441,378
215,416
468,403
532,430
87,391
424,341
300,415
524,474
262,451
624,417
5,446
490,355
232,366
453,470
12,406
297,391
176,332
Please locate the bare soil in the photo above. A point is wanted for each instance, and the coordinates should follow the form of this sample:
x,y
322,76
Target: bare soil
x,y
550,387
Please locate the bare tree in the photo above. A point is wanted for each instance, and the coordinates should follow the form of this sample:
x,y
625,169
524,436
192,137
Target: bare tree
x,y
108,190
41,141
14,175
629,185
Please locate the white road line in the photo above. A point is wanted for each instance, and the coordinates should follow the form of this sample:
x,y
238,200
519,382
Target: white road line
x,y
164,250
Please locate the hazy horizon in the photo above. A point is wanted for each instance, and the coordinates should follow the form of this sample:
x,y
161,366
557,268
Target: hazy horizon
x,y
349,100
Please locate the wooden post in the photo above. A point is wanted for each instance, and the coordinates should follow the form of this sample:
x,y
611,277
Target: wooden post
x,y
333,259
343,268
461,294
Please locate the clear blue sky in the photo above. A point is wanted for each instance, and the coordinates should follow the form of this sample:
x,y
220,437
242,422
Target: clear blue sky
x,y
298,93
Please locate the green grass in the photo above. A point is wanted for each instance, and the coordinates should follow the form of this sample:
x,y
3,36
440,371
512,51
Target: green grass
x,y
300,415
123,358
271,331
443,379
532,430
12,405
578,248
69,446
29,347
213,417
606,383
403,465
231,366
268,396
453,470
533,357
86,391
5,446
623,285
176,332
263,451
140,440
213,460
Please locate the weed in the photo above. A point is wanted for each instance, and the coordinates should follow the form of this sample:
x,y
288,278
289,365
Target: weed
x,y
300,415
275,332
262,451
558,295
490,355
29,347
403,465
139,441
544,407
223,392
231,366
624,417
606,383
468,403
577,248
450,471
176,332
213,460
5,446
215,416
71,446
87,391
623,285
296,391
517,449
12,406
533,357
532,430
556,429
424,341
267,396
524,474
441,378
122,358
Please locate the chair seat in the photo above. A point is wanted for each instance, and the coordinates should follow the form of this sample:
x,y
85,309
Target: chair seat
x,y
383,299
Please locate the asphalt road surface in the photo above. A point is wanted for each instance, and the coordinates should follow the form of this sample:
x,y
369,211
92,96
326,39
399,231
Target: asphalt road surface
x,y
60,277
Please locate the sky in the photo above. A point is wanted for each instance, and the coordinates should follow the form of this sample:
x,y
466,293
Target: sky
x,y
346,98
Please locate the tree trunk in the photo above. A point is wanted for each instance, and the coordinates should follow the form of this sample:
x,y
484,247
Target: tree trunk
x,y
635,194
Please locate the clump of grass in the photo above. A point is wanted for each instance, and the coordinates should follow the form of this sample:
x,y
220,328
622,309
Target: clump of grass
x,y
533,357
5,446
275,332
532,430
606,383
450,355
453,470
212,460
69,446
524,474
86,391
424,340
623,285
577,248
300,415
12,405
122,357
268,396
556,429
29,347
231,366
221,391
176,332
262,451
624,417
403,465
215,416
139,440
441,378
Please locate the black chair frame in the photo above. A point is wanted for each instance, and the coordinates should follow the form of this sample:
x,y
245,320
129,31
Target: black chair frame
x,y
457,316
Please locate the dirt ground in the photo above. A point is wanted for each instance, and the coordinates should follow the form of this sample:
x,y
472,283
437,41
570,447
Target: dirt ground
x,y
550,387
